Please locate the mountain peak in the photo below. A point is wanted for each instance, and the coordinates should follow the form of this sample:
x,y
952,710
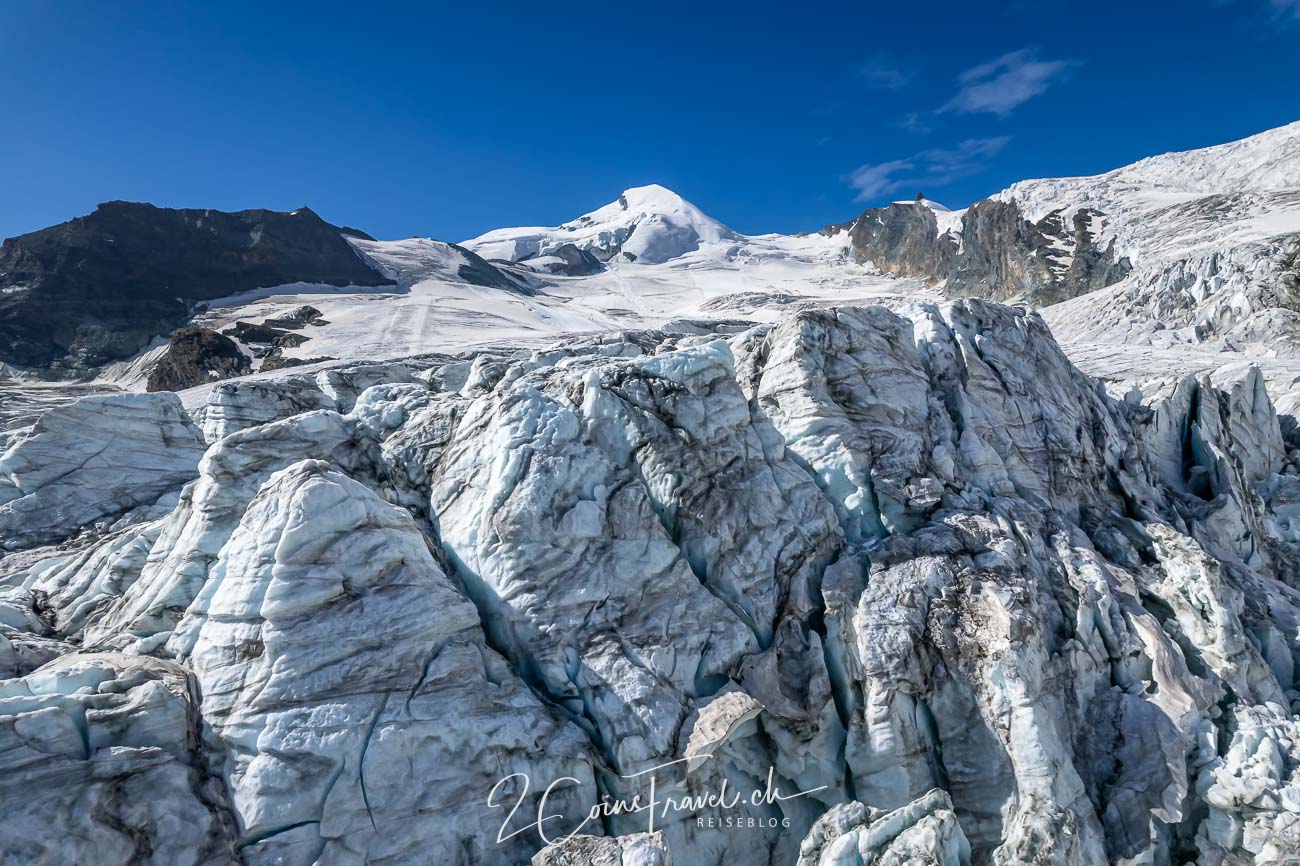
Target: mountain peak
x,y
647,224
650,200
653,197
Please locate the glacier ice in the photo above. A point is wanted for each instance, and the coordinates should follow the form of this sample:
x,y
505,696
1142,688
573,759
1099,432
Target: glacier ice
x,y
911,568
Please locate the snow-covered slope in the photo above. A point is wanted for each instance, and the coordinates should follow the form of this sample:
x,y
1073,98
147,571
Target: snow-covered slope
x,y
444,297
656,258
1214,239
648,224
1197,248
1177,205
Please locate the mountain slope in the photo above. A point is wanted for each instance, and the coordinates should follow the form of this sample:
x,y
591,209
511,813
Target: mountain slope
x,y
1192,250
1198,247
1249,188
99,287
599,272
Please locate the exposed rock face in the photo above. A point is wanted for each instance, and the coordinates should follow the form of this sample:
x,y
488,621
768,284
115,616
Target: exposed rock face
x,y
913,571
568,260
1002,255
903,239
196,356
99,287
990,250
262,334
296,319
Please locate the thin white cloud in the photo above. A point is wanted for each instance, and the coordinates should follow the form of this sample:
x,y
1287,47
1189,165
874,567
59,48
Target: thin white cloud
x,y
914,121
879,73
935,167
1003,84
1287,7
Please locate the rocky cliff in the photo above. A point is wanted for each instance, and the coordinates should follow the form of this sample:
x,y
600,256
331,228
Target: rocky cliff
x,y
98,288
913,571
989,250
196,356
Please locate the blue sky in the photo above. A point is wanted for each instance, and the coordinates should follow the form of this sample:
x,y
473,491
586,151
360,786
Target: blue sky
x,y
447,120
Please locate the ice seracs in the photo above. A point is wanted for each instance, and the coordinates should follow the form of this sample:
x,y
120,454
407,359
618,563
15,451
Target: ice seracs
x,y
912,564
106,747
93,461
925,831
346,684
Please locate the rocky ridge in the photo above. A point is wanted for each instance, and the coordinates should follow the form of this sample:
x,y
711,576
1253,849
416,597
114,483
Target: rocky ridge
x,y
98,288
989,250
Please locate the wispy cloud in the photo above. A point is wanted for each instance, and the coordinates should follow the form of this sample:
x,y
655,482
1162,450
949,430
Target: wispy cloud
x,y
935,167
879,73
1001,85
1289,8
914,121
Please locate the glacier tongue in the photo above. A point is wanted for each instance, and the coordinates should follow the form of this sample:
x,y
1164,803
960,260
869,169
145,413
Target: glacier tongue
x,y
912,569
91,461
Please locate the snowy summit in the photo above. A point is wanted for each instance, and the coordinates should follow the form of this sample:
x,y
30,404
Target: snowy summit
x,y
647,224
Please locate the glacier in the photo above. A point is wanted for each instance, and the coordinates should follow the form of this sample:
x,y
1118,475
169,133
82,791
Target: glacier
x,y
910,564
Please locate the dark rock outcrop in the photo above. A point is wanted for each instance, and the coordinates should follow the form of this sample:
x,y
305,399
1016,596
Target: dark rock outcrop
x,y
99,287
295,319
477,270
573,262
902,239
998,254
275,360
254,333
263,339
196,356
